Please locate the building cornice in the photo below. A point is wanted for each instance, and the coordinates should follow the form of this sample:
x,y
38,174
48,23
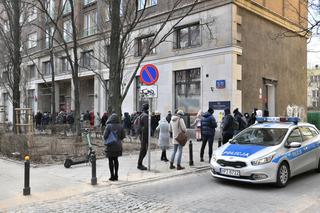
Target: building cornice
x,y
270,15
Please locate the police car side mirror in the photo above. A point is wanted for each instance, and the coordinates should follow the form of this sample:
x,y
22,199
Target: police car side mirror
x,y
294,145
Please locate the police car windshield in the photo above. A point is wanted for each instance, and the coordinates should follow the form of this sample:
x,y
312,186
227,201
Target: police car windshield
x,y
260,136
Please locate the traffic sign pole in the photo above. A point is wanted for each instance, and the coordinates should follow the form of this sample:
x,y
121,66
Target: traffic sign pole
x,y
149,134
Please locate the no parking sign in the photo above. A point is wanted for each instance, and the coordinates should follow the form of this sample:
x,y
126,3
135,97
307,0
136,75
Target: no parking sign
x,y
149,74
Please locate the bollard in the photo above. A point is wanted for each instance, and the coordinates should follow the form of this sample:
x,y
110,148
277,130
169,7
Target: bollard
x,y
219,142
190,153
26,189
94,168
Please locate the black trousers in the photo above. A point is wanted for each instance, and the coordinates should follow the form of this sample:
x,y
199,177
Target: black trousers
x,y
143,151
206,139
226,137
113,166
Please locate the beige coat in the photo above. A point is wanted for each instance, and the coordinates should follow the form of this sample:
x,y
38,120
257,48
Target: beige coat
x,y
174,127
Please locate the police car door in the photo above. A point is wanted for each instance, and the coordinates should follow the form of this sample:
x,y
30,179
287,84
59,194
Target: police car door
x,y
294,154
310,151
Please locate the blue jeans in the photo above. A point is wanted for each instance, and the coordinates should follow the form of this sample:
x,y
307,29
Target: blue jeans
x,y
175,148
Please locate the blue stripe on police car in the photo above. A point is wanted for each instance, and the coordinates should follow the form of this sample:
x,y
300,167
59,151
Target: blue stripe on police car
x,y
242,151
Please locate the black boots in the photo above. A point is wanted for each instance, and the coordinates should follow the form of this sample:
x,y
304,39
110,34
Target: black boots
x,y
179,167
164,156
142,167
172,166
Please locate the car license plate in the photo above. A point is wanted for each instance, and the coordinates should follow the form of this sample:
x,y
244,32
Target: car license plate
x,y
230,172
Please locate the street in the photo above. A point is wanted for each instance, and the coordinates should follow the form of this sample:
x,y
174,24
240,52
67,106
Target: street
x,y
196,192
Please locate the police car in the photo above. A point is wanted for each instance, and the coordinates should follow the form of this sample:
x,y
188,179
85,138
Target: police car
x,y
271,151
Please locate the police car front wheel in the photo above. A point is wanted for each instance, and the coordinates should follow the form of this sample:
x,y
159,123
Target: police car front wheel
x,y
283,175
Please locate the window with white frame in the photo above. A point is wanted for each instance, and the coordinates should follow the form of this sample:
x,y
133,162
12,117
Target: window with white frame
x,y
32,40
146,3
32,14
144,44
46,69
87,59
50,5
31,71
48,36
87,2
90,23
66,6
65,65
67,30
187,36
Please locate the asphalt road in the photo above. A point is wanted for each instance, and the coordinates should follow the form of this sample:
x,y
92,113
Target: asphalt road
x,y
197,192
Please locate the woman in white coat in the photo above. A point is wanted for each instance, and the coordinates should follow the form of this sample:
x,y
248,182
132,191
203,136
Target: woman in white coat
x,y
177,125
164,137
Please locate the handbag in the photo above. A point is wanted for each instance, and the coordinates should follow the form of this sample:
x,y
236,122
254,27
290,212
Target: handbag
x,y
112,138
182,137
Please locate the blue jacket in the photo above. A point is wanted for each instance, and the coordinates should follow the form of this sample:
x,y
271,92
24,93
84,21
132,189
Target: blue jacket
x,y
208,125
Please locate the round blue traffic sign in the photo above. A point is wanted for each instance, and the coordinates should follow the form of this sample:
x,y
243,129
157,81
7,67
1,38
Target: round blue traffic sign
x,y
149,74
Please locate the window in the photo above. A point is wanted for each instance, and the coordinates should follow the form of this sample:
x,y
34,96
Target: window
x,y
314,93
65,65
32,13
48,36
306,133
107,54
31,72
66,7
188,90
67,31
46,68
314,104
294,136
90,24
50,5
87,2
146,3
188,36
87,61
314,132
31,99
6,26
5,77
32,40
144,44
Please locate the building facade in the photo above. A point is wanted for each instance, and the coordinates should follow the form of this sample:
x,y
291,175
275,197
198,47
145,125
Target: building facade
x,y
225,53
314,89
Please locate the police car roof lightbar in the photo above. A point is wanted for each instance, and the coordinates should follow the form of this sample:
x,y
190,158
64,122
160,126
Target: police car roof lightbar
x,y
294,120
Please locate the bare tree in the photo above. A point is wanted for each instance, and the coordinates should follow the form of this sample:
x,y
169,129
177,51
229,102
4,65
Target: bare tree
x,y
12,21
125,18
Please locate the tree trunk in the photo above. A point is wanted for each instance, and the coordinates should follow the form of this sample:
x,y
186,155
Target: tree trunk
x,y
115,72
16,59
53,92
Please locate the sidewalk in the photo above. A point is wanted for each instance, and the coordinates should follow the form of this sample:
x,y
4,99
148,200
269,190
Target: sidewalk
x,y
55,181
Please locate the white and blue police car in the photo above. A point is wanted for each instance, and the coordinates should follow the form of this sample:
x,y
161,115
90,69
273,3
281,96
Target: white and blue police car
x,y
271,151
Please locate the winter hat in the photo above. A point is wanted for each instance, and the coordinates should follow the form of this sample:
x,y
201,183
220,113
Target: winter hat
x,y
180,112
236,110
145,107
210,110
227,111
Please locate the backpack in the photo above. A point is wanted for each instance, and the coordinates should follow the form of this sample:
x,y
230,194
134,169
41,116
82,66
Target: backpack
x,y
112,138
244,123
137,124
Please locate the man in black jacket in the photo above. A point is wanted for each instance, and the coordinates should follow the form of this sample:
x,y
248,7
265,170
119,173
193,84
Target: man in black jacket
x,y
227,126
208,128
143,125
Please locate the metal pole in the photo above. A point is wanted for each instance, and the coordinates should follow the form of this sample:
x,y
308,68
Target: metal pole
x,y
149,134
26,189
94,168
190,153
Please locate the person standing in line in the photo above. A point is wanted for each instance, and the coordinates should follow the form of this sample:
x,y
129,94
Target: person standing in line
x,y
127,123
114,150
253,117
144,139
168,118
164,138
208,125
177,125
197,125
241,120
227,126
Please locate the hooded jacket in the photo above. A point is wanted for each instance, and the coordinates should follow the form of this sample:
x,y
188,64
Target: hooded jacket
x,y
113,124
176,126
164,135
208,125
